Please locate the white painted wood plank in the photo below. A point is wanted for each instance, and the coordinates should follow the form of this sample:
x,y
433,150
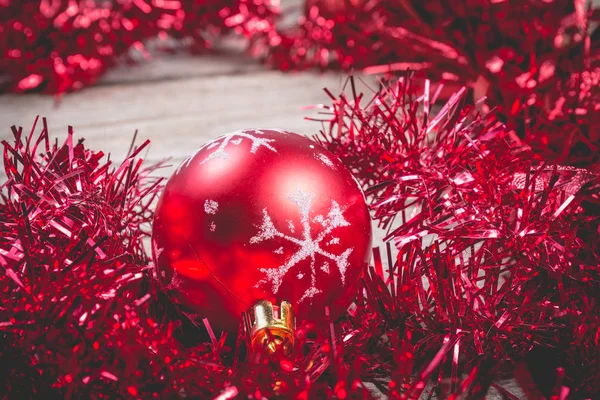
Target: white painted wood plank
x,y
177,115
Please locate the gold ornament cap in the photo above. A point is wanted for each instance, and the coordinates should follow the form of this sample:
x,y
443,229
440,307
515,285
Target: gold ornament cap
x,y
273,327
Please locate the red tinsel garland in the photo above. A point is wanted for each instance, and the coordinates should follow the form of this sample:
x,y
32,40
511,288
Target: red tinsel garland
x,y
528,58
537,62
58,46
497,252
562,124
457,40
497,260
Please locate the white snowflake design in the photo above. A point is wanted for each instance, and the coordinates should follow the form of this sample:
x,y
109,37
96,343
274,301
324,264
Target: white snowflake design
x,y
211,206
308,246
235,138
325,160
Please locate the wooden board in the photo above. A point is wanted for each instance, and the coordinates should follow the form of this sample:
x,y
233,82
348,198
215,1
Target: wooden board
x,y
178,102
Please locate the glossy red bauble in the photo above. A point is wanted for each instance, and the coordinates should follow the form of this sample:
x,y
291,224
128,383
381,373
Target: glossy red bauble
x,y
260,214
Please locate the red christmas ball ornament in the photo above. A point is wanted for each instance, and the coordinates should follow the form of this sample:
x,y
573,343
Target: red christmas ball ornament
x,y
261,215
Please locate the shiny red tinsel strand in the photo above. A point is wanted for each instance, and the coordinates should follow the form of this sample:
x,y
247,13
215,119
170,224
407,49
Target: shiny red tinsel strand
x,y
80,316
60,46
498,261
73,264
75,320
528,58
533,60
496,252
457,40
562,124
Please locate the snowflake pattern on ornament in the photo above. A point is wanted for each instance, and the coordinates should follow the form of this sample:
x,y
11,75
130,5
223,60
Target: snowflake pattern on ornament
x,y
308,244
325,160
211,207
235,138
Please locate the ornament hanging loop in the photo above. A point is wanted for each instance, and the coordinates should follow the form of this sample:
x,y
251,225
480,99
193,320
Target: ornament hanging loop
x,y
273,327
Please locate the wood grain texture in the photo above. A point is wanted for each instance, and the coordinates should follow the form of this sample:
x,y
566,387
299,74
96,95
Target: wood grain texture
x,y
177,106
